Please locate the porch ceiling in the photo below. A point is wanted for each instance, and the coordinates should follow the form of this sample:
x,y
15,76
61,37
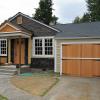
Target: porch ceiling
x,y
14,34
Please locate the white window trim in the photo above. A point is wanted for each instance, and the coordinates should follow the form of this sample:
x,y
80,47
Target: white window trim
x,y
43,45
6,48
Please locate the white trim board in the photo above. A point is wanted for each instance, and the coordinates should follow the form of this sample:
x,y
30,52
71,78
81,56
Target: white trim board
x,y
42,56
43,37
61,60
82,42
61,38
78,58
15,34
33,20
8,25
55,61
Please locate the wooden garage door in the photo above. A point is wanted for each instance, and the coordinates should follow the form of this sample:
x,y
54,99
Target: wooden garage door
x,y
70,65
81,59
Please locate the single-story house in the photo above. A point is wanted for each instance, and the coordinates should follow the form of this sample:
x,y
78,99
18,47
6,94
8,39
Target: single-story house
x,y
72,49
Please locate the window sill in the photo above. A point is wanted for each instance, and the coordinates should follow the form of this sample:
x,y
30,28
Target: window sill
x,y
3,55
43,56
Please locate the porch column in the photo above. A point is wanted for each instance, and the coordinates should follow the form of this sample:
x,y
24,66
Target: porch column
x,y
9,51
29,50
19,54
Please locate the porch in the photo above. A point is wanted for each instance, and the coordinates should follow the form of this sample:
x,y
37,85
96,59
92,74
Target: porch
x,y
15,48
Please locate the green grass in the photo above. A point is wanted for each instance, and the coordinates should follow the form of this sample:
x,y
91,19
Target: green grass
x,y
26,74
42,73
3,98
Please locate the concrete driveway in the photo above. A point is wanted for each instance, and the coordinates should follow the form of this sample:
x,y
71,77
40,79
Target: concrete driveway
x,y
69,88
75,88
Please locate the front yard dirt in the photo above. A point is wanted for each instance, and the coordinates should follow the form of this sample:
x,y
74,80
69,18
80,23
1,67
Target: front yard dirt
x,y
37,85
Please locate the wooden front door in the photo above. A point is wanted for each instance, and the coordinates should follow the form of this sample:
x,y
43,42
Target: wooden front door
x,y
16,51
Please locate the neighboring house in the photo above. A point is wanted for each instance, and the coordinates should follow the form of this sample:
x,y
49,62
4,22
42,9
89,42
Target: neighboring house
x,y
72,49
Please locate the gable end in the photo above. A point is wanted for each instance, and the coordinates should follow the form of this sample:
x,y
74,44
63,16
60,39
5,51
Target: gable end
x,y
8,28
18,14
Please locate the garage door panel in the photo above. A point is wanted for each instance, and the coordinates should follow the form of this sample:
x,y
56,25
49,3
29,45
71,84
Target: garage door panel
x,y
71,67
75,51
86,68
96,68
71,50
96,51
64,50
74,66
64,66
87,50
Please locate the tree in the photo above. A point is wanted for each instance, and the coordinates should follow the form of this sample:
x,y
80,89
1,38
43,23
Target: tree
x,y
93,13
45,12
85,18
94,10
54,19
76,20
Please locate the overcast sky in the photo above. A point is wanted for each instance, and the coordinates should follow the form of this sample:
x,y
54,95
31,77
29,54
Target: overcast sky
x,y
66,10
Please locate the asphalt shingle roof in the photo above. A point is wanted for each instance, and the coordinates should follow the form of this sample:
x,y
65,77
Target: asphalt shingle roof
x,y
91,29
31,25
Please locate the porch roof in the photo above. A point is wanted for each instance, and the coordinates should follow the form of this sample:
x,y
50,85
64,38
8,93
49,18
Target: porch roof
x,y
16,34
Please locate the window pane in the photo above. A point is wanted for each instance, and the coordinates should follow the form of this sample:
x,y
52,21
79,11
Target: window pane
x,y
38,46
3,47
48,47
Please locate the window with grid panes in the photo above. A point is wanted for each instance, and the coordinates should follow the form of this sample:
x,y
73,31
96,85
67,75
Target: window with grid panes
x,y
38,47
43,46
48,47
3,47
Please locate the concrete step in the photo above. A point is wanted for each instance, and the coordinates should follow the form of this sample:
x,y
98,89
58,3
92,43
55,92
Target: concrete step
x,y
8,67
6,76
8,70
3,73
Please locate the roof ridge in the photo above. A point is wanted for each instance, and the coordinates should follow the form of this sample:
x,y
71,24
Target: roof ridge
x,y
19,13
78,23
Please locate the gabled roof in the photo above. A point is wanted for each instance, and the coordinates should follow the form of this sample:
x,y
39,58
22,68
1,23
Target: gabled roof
x,y
9,30
3,25
91,29
17,27
19,13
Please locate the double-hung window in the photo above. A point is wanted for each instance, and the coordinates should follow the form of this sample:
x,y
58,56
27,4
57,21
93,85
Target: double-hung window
x,y
38,47
43,46
3,47
48,46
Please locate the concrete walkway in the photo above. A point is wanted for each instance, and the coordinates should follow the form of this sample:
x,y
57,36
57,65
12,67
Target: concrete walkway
x,y
75,88
11,92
